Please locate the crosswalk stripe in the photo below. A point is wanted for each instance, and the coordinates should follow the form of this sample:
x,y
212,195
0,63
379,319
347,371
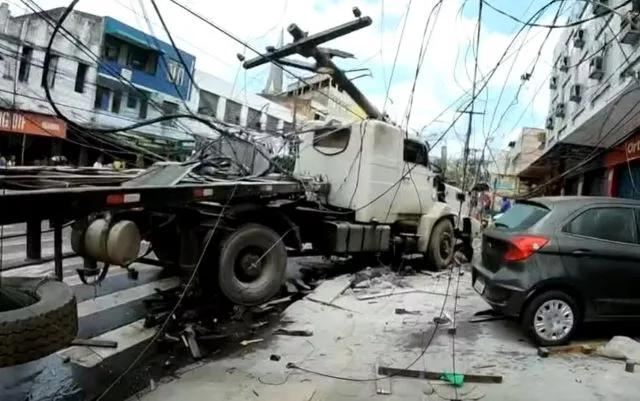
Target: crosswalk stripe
x,y
126,337
115,299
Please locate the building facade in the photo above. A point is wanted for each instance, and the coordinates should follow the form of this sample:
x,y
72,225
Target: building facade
x,y
141,77
319,98
593,97
510,174
29,129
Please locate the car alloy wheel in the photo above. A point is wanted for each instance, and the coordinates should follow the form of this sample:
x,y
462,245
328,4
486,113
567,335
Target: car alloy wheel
x,y
553,320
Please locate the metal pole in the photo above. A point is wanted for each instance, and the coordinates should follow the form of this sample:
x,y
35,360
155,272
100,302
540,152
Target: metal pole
x,y
473,95
57,248
24,145
34,240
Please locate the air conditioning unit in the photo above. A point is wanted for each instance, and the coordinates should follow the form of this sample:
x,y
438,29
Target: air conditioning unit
x,y
559,110
596,70
564,64
578,38
630,29
549,124
553,83
575,94
600,7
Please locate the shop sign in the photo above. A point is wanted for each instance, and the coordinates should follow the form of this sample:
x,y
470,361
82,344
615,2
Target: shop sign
x,y
32,124
629,150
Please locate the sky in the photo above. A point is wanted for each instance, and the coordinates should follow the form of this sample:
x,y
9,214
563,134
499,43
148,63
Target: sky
x,y
389,49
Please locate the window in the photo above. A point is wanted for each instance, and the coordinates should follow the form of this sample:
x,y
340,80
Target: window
x,y
117,100
142,60
102,98
25,64
272,123
132,100
521,216
81,75
208,104
331,137
50,79
232,112
606,223
253,118
416,152
175,72
112,48
169,108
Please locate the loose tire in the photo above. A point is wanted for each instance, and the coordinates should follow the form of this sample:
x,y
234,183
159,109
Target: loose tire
x,y
37,318
441,245
551,318
252,265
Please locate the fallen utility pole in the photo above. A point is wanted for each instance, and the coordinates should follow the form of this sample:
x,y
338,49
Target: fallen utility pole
x,y
307,46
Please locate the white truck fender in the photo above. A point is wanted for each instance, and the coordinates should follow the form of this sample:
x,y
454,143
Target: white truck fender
x,y
428,220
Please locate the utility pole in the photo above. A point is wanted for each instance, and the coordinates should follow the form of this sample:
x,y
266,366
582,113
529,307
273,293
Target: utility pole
x,y
309,46
471,112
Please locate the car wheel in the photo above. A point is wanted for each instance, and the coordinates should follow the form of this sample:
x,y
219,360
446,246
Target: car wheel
x,y
551,318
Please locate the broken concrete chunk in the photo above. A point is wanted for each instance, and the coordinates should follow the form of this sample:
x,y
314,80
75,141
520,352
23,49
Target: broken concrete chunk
x,y
296,333
621,347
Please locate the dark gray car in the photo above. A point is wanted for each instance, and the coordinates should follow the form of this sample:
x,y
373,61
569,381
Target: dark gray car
x,y
554,262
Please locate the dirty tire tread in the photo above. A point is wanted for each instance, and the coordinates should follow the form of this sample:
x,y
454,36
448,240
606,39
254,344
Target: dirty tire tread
x,y
434,260
249,234
39,329
530,310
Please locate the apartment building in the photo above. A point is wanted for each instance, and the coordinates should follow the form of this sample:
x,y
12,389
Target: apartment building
x,y
29,129
593,101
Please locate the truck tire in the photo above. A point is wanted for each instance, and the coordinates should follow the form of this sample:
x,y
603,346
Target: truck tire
x,y
441,245
37,318
252,265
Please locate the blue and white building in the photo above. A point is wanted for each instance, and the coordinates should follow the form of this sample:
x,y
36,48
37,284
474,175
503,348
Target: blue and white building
x,y
141,77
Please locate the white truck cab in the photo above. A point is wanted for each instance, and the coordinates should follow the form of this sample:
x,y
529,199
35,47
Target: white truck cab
x,y
382,176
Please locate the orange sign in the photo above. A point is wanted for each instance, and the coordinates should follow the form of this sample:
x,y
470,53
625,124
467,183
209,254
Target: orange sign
x,y
34,124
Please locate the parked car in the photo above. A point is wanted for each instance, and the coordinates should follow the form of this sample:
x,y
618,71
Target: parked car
x,y
554,262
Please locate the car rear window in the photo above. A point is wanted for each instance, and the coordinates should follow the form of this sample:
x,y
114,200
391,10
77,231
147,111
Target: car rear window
x,y
521,216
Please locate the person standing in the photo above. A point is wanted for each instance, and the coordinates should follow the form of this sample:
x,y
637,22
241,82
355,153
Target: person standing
x,y
506,204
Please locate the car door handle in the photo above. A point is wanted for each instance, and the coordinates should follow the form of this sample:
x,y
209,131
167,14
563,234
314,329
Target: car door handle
x,y
579,252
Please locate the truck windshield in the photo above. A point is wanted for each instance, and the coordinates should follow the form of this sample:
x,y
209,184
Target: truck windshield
x,y
521,216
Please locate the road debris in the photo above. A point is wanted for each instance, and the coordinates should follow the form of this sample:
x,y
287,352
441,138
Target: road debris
x,y
330,290
487,315
444,318
428,375
576,348
295,333
244,343
382,383
274,357
622,348
629,367
402,311
398,292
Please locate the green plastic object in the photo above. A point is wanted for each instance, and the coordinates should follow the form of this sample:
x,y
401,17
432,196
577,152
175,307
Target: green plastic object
x,y
457,379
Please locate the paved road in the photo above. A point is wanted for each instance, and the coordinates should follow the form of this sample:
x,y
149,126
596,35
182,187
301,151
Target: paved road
x,y
114,310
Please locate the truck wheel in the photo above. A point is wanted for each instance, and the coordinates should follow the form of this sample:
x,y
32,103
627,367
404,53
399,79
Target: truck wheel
x,y
551,318
441,245
37,318
253,263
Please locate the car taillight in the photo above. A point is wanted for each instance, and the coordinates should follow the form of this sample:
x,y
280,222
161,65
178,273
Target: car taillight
x,y
523,246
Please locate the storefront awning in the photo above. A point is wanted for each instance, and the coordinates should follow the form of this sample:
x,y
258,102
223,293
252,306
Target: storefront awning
x,y
127,37
21,122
